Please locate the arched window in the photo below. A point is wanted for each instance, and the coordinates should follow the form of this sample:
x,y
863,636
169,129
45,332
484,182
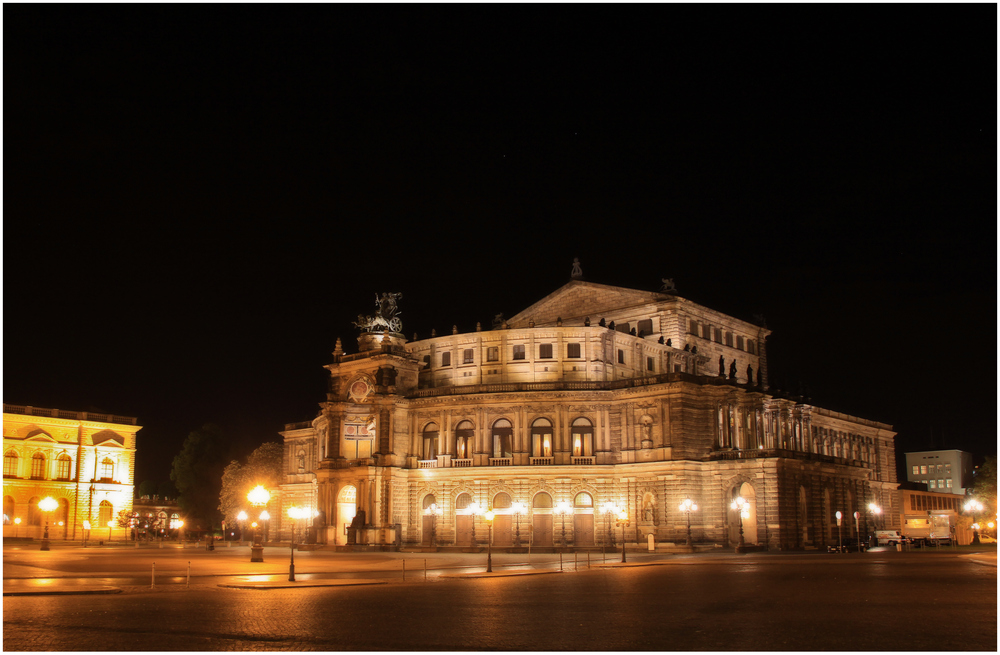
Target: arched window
x,y
348,494
107,469
8,510
10,464
464,434
583,500
503,439
541,501
104,511
502,501
541,438
463,501
582,436
63,464
34,512
430,444
174,521
429,500
300,460
38,466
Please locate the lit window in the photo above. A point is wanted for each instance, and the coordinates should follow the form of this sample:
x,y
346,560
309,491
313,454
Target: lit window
x,y
107,469
545,351
10,464
464,434
923,470
916,469
104,513
948,483
931,484
468,355
38,465
582,436
430,441
63,464
518,352
573,350
541,438
503,439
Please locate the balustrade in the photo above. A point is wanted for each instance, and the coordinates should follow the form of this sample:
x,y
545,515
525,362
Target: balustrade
x,y
540,461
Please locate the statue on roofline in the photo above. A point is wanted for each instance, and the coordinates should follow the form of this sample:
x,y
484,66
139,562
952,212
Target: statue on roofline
x,y
386,318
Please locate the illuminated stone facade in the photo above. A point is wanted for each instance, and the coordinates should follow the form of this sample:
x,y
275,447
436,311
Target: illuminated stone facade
x,y
84,460
593,395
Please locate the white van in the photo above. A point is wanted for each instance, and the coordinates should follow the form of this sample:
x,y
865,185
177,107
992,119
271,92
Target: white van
x,y
888,537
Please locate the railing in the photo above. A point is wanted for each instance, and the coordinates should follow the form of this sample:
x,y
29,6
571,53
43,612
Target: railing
x,y
428,463
299,425
560,385
501,461
585,461
461,462
28,410
751,453
540,461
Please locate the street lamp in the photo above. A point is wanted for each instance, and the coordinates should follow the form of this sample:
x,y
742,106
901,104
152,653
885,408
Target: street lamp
x,y
840,533
609,510
17,524
857,530
518,508
242,518
47,504
687,507
974,506
741,505
563,509
475,509
295,513
489,544
433,511
258,497
623,522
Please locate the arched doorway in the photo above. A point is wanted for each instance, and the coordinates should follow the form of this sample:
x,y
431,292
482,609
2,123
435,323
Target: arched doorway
x,y
583,519
502,520
541,520
428,526
748,515
463,520
346,509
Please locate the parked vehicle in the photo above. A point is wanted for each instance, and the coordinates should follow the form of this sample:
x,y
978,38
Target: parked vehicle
x,y
889,537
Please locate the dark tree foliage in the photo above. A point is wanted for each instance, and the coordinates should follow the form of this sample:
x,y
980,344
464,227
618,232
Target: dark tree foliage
x,y
197,474
263,467
984,484
147,488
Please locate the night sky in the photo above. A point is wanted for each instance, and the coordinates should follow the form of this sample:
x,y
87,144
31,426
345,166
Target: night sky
x,y
198,200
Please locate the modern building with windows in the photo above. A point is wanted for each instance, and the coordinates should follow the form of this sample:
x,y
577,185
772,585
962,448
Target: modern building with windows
x,y
594,400
947,471
83,460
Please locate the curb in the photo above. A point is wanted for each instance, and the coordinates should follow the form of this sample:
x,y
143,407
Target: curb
x,y
263,586
497,574
65,591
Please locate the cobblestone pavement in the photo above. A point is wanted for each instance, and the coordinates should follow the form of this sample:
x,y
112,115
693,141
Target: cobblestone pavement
x,y
755,602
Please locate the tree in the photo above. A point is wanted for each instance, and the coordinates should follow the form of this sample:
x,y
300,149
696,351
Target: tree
x,y
147,488
197,473
984,485
263,467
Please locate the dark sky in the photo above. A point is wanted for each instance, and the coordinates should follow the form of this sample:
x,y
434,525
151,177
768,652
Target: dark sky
x,y
199,199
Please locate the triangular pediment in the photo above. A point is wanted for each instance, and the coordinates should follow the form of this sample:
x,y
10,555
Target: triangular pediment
x,y
578,299
38,434
108,438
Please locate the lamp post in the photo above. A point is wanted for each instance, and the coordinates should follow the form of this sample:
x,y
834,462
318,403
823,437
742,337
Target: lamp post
x,y
609,510
687,507
623,522
857,530
974,506
475,509
17,524
840,533
518,508
433,511
258,497
741,505
489,544
47,504
294,513
563,509
242,518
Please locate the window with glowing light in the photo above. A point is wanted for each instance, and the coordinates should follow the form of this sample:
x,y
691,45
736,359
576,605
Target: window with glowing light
x,y
38,466
10,464
582,438
464,434
63,467
430,445
541,438
104,511
503,439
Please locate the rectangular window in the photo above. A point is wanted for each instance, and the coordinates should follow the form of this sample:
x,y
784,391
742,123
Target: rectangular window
x,y
718,335
445,359
467,356
518,352
729,339
644,327
622,327
916,469
751,346
63,472
545,351
10,465
573,350
492,354
948,483
940,484
37,467
649,363
621,356
931,484
694,327
739,343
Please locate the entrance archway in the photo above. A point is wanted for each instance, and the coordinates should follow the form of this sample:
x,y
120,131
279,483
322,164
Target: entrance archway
x,y
346,509
749,521
541,520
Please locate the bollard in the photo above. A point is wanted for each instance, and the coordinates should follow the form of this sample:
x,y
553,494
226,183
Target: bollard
x,y
425,570
188,583
404,569
560,562
588,559
576,566
152,583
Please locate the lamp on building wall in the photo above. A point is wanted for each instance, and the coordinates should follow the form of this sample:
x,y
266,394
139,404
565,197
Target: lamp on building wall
x,y
875,511
742,507
518,508
489,544
563,508
974,507
687,507
47,505
258,497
